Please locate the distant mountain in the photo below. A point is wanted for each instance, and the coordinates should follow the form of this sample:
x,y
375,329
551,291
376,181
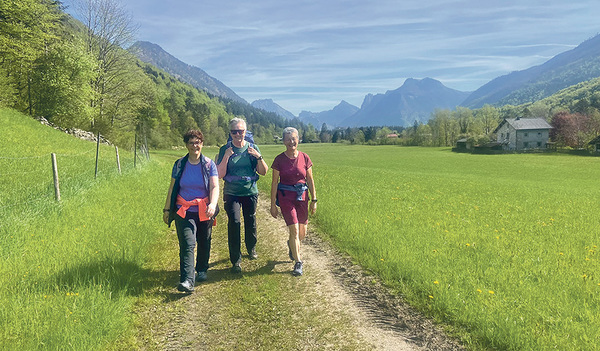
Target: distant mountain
x,y
155,55
270,106
333,118
414,101
569,68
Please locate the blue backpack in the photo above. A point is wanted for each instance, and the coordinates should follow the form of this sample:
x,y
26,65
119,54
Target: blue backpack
x,y
250,139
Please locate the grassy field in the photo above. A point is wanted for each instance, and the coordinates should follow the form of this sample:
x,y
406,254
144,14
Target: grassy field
x,y
70,272
504,248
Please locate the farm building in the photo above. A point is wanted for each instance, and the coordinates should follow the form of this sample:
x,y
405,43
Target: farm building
x,y
523,133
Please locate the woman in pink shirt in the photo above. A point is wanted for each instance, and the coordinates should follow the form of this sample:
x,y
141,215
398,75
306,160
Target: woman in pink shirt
x,y
292,179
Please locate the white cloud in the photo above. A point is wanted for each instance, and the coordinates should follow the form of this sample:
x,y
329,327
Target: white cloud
x,y
309,54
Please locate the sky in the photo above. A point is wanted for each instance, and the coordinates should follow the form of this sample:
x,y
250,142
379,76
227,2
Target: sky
x,y
312,54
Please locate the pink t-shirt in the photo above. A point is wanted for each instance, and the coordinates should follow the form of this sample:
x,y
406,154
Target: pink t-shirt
x,y
292,171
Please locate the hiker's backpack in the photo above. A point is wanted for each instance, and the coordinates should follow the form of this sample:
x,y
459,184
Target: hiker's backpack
x,y
249,139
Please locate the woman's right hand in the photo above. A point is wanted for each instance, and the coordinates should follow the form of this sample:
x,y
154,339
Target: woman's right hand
x,y
274,211
166,217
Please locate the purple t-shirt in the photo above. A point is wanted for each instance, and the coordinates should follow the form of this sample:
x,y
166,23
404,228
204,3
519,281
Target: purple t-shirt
x,y
191,184
292,170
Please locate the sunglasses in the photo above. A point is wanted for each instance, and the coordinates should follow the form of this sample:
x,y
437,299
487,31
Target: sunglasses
x,y
237,131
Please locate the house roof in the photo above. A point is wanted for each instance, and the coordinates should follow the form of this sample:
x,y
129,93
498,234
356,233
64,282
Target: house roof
x,y
525,124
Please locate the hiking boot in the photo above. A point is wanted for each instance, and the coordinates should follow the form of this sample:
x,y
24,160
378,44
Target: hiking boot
x,y
201,277
297,269
252,254
236,268
185,286
290,252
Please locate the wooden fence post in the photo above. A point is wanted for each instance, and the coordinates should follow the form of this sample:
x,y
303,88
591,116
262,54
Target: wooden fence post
x,y
135,150
97,150
118,160
55,172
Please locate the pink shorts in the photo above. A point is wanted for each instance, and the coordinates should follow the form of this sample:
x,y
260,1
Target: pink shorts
x,y
293,211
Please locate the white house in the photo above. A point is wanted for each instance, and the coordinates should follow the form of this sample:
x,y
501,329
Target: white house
x,y
523,133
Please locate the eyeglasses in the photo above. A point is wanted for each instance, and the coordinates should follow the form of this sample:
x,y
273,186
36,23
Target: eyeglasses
x,y
194,143
237,131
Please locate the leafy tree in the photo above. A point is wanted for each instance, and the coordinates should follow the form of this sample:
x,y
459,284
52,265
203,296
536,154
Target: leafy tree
x,y
61,90
571,129
109,28
488,117
28,29
464,117
325,135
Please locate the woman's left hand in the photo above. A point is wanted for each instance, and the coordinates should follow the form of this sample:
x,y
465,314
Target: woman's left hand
x,y
252,151
313,207
211,209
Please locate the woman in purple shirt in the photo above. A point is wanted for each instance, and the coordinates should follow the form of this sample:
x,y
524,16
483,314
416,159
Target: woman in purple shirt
x,y
292,178
192,203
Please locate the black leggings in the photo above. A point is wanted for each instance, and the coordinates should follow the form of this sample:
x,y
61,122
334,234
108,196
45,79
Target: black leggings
x,y
232,205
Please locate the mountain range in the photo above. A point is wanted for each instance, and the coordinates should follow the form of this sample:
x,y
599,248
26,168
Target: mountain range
x,y
332,118
416,99
155,55
563,70
270,106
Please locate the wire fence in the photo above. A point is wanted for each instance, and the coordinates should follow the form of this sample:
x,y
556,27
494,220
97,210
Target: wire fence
x,y
27,180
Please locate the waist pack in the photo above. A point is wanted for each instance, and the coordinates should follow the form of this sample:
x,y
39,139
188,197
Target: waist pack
x,y
299,188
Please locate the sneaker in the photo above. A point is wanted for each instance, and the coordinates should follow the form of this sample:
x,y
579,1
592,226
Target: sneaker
x,y
201,276
290,252
236,268
252,254
297,269
185,286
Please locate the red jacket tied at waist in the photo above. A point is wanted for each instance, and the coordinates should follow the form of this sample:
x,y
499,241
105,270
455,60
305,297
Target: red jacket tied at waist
x,y
185,205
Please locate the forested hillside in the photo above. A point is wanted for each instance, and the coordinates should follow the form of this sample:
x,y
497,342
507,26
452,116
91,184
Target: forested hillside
x,y
566,69
77,74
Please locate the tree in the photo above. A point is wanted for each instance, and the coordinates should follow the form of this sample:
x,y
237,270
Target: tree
x,y
571,129
464,117
444,128
28,30
325,136
309,134
110,28
488,117
60,85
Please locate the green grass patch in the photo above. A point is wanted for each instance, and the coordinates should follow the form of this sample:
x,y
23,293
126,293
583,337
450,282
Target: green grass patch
x,y
71,271
502,247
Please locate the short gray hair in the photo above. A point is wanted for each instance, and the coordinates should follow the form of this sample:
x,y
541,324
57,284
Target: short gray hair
x,y
235,121
290,131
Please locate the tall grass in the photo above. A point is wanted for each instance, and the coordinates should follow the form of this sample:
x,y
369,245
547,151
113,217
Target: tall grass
x,y
502,247
70,271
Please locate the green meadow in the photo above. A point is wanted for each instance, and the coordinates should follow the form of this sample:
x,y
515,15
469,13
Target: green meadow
x,y
70,272
500,249
503,249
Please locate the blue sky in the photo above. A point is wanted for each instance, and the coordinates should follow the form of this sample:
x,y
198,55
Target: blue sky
x,y
310,55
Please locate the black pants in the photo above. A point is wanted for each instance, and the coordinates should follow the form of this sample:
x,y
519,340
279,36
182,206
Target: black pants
x,y
189,231
232,205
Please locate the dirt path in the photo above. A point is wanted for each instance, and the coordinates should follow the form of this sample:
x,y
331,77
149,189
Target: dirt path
x,y
374,319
